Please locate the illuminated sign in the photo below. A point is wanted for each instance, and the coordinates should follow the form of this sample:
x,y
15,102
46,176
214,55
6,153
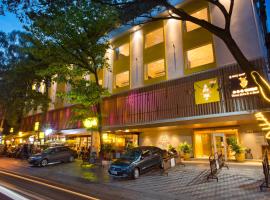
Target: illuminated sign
x,y
264,123
206,91
242,86
36,126
90,122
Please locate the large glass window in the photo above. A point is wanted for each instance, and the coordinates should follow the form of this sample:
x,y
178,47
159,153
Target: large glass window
x,y
155,69
122,79
153,38
201,14
122,50
200,56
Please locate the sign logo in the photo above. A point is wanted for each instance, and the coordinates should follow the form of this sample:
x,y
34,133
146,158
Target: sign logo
x,y
206,91
243,82
241,86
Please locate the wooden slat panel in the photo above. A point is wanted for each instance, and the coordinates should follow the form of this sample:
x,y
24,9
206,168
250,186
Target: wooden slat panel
x,y
175,98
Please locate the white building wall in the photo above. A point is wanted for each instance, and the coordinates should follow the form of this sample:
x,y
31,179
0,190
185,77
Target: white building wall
x,y
136,59
164,138
107,75
243,29
174,49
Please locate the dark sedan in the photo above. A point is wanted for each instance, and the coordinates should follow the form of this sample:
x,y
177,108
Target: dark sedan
x,y
136,161
53,155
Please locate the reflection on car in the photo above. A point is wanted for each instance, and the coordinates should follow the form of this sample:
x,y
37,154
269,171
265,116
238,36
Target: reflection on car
x,y
53,155
136,161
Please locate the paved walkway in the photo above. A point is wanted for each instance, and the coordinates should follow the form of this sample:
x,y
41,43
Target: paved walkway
x,y
182,182
189,182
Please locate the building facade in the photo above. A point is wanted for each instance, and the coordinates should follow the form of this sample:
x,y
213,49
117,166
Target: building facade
x,y
173,82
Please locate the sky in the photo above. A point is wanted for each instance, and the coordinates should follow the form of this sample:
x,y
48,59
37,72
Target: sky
x,y
9,22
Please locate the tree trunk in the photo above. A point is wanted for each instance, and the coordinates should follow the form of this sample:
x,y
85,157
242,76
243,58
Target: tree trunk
x,y
247,67
99,116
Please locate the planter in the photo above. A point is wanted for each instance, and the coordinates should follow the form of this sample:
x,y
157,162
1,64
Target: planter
x,y
240,157
186,156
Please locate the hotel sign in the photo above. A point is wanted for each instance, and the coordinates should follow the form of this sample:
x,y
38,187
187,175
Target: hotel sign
x,y
242,86
206,91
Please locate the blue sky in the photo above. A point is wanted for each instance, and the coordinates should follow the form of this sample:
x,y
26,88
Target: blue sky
x,y
9,22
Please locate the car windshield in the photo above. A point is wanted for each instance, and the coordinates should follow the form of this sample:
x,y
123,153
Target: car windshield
x,y
131,155
47,150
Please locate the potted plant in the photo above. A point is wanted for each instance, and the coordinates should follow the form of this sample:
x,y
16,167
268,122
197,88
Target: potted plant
x,y
186,149
172,151
238,149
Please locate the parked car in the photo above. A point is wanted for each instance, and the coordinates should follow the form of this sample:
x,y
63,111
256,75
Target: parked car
x,y
53,155
136,161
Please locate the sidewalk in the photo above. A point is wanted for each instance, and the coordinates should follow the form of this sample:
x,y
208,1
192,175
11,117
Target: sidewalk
x,y
230,162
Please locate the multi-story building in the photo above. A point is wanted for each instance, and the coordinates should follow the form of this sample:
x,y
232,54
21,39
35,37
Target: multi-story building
x,y
173,81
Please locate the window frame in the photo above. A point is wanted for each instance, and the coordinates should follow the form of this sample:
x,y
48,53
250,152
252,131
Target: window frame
x,y
146,69
197,67
199,27
115,75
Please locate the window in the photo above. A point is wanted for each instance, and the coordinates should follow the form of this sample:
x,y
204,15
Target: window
x,y
153,38
201,14
122,50
122,79
200,56
100,82
155,69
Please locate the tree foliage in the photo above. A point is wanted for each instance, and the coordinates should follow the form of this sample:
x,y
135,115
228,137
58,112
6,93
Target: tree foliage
x,y
18,74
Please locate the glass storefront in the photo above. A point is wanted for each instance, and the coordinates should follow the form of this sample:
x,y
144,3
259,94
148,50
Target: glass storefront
x,y
208,142
121,140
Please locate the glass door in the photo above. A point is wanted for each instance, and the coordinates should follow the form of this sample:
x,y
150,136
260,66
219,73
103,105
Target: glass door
x,y
219,144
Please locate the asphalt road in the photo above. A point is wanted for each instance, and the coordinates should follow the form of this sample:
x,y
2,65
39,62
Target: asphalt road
x,y
38,189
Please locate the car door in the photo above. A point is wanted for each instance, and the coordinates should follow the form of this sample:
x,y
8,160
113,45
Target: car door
x,y
56,156
145,159
156,156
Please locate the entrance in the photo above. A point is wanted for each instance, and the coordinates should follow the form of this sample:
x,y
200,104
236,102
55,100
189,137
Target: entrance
x,y
207,142
219,144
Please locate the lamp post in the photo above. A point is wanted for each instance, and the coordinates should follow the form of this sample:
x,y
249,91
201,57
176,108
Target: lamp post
x,y
90,124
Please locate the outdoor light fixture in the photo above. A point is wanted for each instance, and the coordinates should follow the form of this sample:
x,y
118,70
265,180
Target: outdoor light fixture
x,y
90,122
20,134
36,126
264,123
48,132
11,130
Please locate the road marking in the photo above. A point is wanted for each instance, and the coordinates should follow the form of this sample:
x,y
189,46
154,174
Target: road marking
x,y
23,192
11,194
48,185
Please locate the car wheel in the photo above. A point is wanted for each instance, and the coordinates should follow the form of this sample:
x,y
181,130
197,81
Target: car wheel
x,y
136,173
71,159
44,163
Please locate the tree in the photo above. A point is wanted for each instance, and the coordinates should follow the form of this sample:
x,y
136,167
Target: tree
x,y
18,74
71,37
143,9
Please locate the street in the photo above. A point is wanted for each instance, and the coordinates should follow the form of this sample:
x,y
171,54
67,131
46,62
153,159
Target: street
x,y
62,182
71,181
42,189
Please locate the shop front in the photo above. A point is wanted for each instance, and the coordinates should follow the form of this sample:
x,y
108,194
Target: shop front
x,y
121,140
207,142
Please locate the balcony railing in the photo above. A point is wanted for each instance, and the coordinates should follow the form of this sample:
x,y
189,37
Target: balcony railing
x,y
176,99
